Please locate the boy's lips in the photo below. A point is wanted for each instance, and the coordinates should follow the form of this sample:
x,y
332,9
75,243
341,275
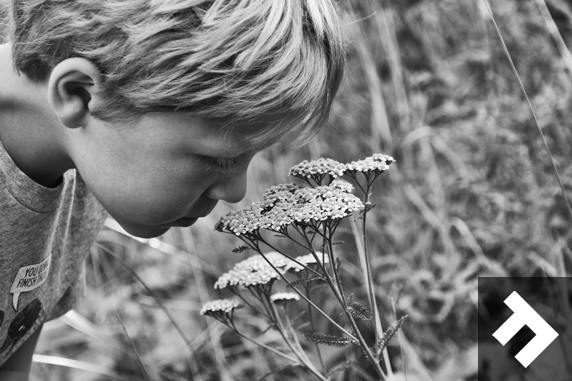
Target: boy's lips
x,y
188,221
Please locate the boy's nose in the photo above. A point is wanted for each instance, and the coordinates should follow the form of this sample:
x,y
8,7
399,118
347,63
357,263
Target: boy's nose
x,y
231,189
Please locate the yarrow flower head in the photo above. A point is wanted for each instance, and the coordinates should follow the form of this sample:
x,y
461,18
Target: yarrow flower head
x,y
371,167
342,185
283,297
255,272
221,309
242,222
257,262
288,204
324,203
383,158
317,170
221,305
368,165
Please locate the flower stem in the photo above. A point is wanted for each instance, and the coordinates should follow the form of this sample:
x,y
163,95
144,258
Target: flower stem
x,y
373,303
250,305
338,293
302,357
276,351
288,256
362,251
308,300
313,324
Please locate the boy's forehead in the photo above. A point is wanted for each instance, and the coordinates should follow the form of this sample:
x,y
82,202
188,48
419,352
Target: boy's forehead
x,y
222,138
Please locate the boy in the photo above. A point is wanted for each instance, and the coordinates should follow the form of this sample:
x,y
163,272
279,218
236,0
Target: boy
x,y
148,109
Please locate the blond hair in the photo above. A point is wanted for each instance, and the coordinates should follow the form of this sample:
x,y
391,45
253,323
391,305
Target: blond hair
x,y
271,63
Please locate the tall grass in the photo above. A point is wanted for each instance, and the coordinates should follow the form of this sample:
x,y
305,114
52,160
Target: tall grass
x,y
473,193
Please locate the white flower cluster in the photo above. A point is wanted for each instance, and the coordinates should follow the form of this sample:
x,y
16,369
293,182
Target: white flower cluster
x,y
256,263
317,168
224,306
242,221
342,185
383,157
377,163
288,203
324,202
255,271
280,192
283,297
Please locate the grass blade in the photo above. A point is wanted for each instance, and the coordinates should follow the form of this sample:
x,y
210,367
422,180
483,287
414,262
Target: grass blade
x,y
76,364
537,123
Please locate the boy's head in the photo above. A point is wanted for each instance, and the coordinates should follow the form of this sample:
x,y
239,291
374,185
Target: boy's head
x,y
267,63
168,100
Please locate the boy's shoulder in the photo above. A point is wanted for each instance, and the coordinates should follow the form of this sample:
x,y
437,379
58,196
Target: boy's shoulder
x,y
46,234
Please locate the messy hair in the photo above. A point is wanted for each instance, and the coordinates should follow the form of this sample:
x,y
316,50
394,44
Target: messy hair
x,y
271,63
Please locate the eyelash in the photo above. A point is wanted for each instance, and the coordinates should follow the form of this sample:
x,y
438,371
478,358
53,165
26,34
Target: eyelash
x,y
221,165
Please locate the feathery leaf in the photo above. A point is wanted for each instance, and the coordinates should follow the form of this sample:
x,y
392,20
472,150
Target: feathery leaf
x,y
323,338
299,282
388,335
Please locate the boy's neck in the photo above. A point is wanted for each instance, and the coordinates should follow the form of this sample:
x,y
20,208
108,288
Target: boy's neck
x,y
29,129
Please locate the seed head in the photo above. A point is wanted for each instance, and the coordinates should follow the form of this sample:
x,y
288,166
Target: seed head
x,y
323,338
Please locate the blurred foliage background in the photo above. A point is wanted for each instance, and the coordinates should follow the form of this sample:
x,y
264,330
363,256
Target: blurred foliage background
x,y
472,194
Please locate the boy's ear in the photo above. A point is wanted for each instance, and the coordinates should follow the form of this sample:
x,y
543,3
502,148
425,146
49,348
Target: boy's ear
x,y
71,87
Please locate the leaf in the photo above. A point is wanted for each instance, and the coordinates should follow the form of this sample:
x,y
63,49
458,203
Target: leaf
x,y
240,249
341,367
337,266
388,335
366,209
323,338
299,282
338,243
359,311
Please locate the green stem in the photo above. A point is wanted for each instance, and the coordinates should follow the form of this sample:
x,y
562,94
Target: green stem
x,y
379,327
250,305
302,358
313,324
370,286
308,300
338,293
265,346
288,256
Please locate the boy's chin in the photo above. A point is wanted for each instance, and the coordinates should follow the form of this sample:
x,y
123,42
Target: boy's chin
x,y
144,231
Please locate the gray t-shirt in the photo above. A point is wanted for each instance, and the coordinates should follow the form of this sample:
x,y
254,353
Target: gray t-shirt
x,y
45,235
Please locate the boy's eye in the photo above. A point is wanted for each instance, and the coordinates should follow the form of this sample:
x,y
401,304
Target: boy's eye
x,y
222,165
